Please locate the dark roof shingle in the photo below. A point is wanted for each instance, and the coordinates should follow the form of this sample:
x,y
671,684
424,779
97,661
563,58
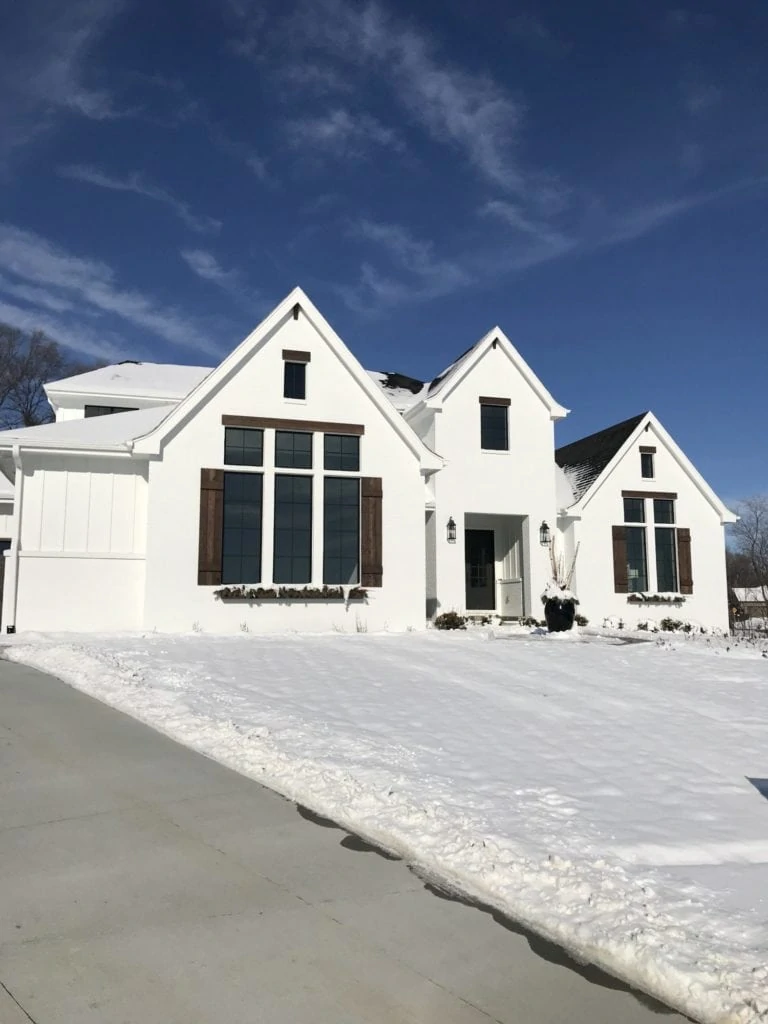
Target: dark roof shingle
x,y
584,460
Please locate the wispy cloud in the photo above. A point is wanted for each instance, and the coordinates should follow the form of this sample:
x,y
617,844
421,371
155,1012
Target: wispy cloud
x,y
135,183
78,338
205,265
699,97
29,260
533,241
341,133
45,55
415,273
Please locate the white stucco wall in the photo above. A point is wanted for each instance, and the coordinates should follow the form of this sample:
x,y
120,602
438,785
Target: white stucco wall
x,y
519,482
174,601
83,537
593,583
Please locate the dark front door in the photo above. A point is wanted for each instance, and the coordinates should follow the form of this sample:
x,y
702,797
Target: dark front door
x,y
480,564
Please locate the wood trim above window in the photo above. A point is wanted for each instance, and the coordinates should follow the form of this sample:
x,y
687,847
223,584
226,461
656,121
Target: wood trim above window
x,y
648,449
668,495
485,400
292,355
318,426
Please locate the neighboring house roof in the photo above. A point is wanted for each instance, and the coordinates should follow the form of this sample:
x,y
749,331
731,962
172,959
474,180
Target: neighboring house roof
x,y
133,380
583,461
99,433
750,595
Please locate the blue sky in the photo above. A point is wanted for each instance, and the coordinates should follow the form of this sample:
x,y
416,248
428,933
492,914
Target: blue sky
x,y
592,177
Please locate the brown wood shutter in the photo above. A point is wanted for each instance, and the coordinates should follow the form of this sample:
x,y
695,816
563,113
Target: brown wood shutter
x,y
684,560
620,577
371,569
211,527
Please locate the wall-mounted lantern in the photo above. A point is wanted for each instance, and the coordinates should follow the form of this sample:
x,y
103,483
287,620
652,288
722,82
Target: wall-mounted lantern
x,y
451,530
544,535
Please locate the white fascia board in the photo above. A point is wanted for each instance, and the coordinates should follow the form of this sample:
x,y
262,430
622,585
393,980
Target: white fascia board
x,y
726,516
151,442
73,399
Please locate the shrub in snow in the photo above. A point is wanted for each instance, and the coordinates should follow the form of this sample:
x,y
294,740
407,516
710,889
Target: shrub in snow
x,y
450,620
582,620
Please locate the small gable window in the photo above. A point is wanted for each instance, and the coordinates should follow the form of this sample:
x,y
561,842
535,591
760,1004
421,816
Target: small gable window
x,y
295,380
293,449
647,458
342,452
494,425
243,447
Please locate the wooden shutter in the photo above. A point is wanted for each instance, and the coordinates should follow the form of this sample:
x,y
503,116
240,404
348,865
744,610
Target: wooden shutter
x,y
371,569
211,527
620,577
684,560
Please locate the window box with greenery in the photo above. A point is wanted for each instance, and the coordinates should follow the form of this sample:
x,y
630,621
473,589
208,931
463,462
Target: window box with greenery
x,y
244,593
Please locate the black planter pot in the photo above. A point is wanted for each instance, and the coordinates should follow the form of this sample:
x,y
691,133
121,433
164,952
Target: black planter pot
x,y
559,615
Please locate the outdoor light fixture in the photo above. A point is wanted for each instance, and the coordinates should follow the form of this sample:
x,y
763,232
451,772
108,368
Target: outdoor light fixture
x,y
451,531
544,535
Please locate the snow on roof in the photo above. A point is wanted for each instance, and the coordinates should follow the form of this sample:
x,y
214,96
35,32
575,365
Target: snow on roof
x,y
114,431
750,594
584,460
141,380
563,490
402,391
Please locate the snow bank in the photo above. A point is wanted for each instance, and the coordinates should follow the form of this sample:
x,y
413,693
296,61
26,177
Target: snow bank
x,y
596,792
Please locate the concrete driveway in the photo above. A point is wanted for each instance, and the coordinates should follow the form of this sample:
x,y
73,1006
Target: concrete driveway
x,y
141,883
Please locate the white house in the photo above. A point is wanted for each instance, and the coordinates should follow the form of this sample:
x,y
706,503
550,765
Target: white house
x,y
288,488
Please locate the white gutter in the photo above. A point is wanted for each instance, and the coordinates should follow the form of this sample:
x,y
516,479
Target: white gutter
x,y
15,540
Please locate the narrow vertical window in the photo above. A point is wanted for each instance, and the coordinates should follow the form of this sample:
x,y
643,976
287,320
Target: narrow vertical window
x,y
646,465
666,545
341,530
637,559
295,380
293,529
494,427
241,541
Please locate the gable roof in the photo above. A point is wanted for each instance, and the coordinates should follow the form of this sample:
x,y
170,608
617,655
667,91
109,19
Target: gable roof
x,y
750,595
294,302
99,433
402,391
452,375
132,379
583,461
579,465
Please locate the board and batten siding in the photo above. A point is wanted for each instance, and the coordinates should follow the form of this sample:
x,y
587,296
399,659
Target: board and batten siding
x,y
83,534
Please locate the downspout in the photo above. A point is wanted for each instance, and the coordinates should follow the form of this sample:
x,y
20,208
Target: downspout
x,y
16,539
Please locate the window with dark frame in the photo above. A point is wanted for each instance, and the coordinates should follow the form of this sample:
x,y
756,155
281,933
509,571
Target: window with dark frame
x,y
293,449
646,465
293,529
241,540
106,410
341,530
342,452
634,510
637,559
494,428
295,380
243,446
666,545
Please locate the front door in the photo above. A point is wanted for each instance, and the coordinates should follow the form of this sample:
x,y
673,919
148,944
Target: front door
x,y
480,564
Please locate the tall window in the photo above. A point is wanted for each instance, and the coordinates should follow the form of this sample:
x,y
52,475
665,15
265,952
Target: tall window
x,y
293,529
494,433
341,530
646,465
637,560
243,447
293,449
666,546
295,380
106,410
342,451
241,541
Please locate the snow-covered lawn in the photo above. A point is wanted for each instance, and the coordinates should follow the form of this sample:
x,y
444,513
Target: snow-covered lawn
x,y
596,791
